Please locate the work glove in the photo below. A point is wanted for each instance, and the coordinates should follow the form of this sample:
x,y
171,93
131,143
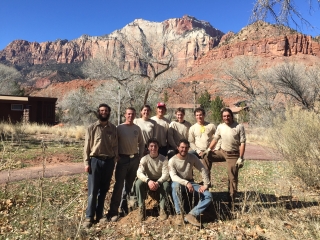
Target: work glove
x,y
240,162
205,153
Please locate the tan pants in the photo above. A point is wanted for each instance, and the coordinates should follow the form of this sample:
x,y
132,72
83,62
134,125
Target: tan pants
x,y
231,159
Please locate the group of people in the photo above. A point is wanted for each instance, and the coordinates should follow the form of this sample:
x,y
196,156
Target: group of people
x,y
156,155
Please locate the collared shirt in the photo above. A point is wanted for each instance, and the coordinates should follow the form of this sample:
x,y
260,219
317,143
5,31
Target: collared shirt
x,y
100,141
153,168
231,136
130,140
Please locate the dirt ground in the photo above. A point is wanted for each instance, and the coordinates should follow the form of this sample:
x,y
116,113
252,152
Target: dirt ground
x,y
60,165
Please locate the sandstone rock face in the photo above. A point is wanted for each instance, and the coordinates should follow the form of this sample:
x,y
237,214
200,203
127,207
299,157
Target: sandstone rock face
x,y
289,45
194,37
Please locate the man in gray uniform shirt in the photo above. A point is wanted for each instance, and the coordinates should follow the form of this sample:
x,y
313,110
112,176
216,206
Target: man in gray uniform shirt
x,y
131,148
153,175
100,154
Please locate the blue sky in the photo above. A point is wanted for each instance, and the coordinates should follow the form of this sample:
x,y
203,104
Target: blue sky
x,y
48,20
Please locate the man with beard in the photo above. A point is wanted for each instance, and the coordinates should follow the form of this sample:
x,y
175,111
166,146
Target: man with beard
x,y
180,170
100,154
131,149
233,142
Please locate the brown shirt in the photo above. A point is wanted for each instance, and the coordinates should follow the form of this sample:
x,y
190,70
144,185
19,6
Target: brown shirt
x,y
100,141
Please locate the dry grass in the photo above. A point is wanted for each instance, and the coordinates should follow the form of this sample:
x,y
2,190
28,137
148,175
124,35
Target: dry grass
x,y
76,132
272,205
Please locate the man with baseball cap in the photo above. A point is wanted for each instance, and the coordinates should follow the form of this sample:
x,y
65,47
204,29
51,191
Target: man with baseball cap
x,y
161,133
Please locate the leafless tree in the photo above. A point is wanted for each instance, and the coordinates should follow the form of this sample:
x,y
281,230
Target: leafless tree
x,y
296,81
243,80
282,11
8,80
139,64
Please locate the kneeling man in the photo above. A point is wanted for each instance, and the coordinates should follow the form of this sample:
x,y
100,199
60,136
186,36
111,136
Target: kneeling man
x,y
153,175
180,170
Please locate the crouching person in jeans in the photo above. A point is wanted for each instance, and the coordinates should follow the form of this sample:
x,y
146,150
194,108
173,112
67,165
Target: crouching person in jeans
x,y
153,175
180,170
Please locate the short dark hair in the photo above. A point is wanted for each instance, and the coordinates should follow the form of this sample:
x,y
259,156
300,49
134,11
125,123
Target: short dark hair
x,y
199,109
180,109
185,141
145,106
104,105
131,108
226,110
152,140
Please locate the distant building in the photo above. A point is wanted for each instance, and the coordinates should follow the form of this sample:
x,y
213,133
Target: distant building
x,y
27,109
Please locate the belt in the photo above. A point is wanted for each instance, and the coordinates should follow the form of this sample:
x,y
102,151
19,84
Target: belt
x,y
128,155
230,152
103,158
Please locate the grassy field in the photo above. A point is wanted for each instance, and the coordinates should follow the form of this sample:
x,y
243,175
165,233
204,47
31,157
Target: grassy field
x,y
271,205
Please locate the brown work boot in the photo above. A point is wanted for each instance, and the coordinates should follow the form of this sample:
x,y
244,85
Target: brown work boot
x,y
163,215
87,223
179,220
192,219
141,214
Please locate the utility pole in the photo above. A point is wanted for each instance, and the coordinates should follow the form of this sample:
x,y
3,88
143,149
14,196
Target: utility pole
x,y
194,94
119,103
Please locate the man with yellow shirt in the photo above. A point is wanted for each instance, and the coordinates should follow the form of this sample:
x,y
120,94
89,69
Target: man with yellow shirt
x,y
201,133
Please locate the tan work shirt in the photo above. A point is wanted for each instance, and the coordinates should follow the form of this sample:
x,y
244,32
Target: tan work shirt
x,y
178,131
153,168
161,130
180,170
100,141
200,136
130,139
147,128
231,136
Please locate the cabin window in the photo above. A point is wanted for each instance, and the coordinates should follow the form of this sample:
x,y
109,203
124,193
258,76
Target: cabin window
x,y
16,107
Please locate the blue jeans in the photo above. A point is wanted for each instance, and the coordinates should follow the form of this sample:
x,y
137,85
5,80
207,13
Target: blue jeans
x,y
126,172
177,194
98,185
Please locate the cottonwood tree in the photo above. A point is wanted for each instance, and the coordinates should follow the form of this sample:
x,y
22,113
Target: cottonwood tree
x,y
8,80
297,82
244,81
282,11
140,65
